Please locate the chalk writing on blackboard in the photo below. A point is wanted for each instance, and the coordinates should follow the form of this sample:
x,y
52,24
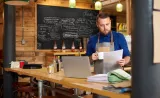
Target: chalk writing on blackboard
x,y
61,23
51,20
67,21
70,28
70,35
81,21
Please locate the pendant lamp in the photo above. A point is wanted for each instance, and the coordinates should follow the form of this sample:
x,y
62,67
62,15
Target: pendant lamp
x,y
72,3
98,5
119,7
17,2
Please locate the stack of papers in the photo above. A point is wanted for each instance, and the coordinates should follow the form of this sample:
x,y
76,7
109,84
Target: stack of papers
x,y
98,78
114,76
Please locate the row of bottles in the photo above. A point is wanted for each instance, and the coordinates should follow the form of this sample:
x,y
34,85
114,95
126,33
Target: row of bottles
x,y
64,47
55,66
122,28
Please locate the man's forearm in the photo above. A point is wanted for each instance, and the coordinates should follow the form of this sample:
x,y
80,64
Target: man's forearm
x,y
127,59
90,58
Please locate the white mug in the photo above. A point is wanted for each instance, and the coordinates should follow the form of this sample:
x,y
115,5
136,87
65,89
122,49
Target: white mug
x,y
100,55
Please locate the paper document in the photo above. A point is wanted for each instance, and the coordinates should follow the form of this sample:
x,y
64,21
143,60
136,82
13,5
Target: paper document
x,y
114,76
113,56
98,78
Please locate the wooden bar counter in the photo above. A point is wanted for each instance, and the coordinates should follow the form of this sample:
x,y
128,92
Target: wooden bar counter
x,y
42,74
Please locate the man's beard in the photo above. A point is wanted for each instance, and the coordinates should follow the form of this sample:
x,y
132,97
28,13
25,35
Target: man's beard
x,y
106,32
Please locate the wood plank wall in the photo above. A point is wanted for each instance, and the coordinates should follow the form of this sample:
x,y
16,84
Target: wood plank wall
x,y
1,26
27,52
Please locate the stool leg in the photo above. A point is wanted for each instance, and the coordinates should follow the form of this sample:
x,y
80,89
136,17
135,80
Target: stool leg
x,y
40,88
53,85
75,93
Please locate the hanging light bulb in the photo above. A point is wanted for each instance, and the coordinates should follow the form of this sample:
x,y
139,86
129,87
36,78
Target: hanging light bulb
x,y
119,7
72,3
98,5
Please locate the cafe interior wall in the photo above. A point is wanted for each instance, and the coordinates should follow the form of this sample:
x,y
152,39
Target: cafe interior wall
x,y
1,26
28,50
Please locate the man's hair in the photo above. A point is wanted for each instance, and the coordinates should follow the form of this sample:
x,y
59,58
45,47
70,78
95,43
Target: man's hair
x,y
102,16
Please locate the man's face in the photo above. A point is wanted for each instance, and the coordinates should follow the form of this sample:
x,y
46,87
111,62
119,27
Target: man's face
x,y
104,25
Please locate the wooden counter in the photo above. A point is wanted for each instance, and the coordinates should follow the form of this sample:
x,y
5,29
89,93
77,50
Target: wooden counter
x,y
59,77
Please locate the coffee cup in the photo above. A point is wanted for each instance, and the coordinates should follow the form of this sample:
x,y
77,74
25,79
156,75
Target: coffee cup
x,y
100,55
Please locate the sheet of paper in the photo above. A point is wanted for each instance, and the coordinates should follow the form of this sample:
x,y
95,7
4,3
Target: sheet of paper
x,y
98,78
156,4
113,56
156,35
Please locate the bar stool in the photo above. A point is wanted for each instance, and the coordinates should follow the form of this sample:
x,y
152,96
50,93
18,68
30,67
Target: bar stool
x,y
27,89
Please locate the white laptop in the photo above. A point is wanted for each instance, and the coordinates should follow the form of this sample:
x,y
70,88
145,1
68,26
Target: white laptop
x,y
76,66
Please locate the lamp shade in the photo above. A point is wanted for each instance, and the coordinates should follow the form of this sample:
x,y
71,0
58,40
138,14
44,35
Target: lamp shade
x,y
119,7
72,3
17,2
98,5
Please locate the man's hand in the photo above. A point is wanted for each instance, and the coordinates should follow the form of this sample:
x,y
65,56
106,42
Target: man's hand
x,y
121,62
94,56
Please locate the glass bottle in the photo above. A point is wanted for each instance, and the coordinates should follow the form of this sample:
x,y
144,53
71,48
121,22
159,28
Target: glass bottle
x,y
59,62
55,45
80,47
63,47
73,47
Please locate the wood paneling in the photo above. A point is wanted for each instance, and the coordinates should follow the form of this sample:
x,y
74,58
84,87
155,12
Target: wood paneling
x,y
28,59
1,36
26,34
25,48
1,26
25,54
27,44
27,51
27,29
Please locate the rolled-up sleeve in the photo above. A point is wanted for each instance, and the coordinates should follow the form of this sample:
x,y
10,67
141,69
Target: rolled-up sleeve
x,y
89,48
123,45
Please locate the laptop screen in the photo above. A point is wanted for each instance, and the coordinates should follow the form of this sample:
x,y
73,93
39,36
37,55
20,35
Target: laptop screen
x,y
76,66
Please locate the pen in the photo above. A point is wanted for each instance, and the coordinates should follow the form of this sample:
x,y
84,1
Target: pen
x,y
123,90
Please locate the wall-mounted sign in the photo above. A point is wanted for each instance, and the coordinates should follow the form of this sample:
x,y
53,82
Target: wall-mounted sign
x,y
156,31
156,35
156,4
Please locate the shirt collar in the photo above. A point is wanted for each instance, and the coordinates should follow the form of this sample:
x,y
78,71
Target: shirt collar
x,y
102,35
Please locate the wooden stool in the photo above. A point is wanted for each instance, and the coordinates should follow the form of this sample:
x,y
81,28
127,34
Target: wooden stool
x,y
27,90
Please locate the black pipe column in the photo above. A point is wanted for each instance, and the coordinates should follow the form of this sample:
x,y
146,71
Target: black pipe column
x,y
9,49
146,75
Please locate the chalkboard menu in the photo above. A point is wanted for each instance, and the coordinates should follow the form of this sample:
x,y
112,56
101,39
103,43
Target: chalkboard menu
x,y
62,24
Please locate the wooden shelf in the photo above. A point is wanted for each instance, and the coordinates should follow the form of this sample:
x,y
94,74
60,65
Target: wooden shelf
x,y
66,53
49,55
